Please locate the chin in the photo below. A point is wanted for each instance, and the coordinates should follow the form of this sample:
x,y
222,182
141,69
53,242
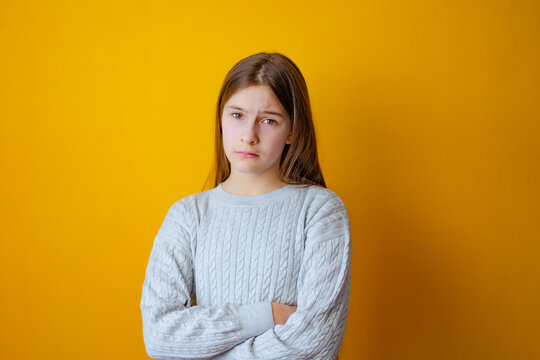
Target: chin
x,y
248,170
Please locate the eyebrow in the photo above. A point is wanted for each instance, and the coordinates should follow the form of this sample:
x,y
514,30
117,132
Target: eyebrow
x,y
264,112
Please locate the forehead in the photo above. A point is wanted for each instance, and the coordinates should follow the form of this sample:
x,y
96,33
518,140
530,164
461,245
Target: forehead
x,y
255,97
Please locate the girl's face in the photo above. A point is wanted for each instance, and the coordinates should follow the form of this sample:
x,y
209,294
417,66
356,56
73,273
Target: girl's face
x,y
256,128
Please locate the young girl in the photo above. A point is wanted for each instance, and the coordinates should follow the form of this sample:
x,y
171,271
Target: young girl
x,y
267,251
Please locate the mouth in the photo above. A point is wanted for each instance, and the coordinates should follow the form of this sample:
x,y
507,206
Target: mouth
x,y
247,154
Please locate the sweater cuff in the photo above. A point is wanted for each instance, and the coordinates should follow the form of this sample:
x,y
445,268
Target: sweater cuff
x,y
255,318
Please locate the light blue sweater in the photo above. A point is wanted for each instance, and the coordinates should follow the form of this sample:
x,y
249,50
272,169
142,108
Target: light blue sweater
x,y
237,254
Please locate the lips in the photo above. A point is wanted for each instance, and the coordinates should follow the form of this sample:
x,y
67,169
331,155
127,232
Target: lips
x,y
247,154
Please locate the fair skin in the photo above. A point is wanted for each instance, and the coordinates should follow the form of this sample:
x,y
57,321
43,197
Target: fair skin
x,y
254,121
281,312
256,128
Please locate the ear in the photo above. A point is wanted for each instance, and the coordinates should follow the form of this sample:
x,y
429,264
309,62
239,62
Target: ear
x,y
289,139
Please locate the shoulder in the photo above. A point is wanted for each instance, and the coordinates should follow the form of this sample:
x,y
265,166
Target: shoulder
x,y
190,207
324,207
323,199
191,200
321,194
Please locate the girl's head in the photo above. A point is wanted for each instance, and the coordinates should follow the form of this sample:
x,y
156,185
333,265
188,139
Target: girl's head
x,y
260,82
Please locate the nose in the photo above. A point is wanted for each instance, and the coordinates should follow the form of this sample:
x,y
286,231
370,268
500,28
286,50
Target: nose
x,y
250,136
249,139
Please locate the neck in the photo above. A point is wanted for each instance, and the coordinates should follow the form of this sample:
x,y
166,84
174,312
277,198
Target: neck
x,y
251,184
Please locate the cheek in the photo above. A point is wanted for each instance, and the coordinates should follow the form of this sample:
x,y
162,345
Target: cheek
x,y
280,138
228,136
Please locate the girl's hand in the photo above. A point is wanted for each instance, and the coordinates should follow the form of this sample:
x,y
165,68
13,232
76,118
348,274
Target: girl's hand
x,y
282,312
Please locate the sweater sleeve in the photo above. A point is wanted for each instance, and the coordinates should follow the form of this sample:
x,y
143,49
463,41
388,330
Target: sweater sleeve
x,y
172,329
316,329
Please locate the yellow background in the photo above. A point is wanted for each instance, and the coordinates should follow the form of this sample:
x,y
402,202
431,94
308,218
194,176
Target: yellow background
x,y
427,117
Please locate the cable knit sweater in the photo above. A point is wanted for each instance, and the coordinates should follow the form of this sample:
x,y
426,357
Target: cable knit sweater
x,y
237,254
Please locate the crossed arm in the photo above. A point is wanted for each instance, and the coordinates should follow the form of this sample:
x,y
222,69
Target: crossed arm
x,y
175,329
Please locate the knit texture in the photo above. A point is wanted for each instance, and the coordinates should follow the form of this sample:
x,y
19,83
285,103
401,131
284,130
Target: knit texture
x,y
237,254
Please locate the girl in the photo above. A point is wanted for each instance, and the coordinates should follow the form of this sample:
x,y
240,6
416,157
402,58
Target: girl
x,y
266,252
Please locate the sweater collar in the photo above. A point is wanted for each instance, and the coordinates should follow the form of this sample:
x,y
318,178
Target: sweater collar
x,y
261,199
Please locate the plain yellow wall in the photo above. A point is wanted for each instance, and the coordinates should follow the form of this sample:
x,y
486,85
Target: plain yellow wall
x,y
427,117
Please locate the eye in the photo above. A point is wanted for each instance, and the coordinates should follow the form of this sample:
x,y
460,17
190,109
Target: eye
x,y
272,121
233,115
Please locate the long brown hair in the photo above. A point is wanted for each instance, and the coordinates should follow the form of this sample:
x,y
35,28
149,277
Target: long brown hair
x,y
299,162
